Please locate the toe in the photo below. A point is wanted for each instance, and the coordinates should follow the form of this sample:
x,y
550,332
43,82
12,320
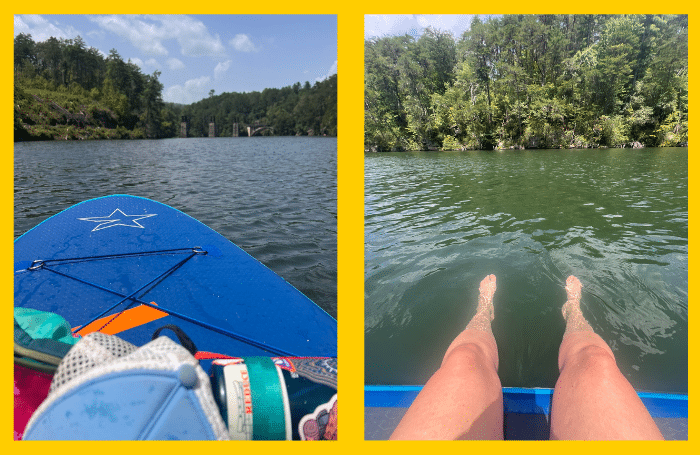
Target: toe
x,y
488,283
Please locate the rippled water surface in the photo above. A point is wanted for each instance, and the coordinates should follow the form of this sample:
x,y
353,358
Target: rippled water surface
x,y
437,223
273,197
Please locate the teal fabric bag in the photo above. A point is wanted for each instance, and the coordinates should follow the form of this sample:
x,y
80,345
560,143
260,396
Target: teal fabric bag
x,y
42,339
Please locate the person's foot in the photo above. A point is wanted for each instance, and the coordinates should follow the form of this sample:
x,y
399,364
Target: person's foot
x,y
487,289
573,296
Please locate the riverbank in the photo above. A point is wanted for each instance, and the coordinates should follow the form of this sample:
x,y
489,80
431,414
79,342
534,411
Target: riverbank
x,y
630,145
39,118
25,133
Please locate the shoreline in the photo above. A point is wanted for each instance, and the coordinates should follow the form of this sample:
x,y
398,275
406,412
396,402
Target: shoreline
x,y
684,145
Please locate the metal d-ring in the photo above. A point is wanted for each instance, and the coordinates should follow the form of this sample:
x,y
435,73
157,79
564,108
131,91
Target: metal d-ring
x,y
36,265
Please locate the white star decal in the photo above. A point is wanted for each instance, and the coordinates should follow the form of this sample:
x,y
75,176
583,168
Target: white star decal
x,y
117,218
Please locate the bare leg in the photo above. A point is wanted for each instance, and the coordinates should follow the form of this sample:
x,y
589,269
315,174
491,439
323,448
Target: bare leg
x,y
592,399
463,399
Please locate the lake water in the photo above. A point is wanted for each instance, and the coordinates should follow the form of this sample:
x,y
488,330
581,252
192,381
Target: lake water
x,y
273,197
436,223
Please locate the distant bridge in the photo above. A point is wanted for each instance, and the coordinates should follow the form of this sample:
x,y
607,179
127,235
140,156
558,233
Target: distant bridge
x,y
253,129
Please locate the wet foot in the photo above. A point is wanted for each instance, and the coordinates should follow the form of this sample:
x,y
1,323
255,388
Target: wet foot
x,y
484,309
572,308
487,289
573,297
573,288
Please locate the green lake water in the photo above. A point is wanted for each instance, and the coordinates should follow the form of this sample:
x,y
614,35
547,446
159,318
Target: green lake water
x,y
436,223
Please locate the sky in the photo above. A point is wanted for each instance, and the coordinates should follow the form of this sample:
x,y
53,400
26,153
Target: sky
x,y
379,25
196,54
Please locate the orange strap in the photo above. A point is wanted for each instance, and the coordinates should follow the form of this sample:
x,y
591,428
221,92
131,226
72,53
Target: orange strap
x,y
133,317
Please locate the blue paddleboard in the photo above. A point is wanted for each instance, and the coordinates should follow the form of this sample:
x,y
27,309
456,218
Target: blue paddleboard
x,y
128,265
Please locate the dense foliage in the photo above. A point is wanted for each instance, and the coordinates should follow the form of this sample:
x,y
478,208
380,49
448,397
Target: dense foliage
x,y
296,110
531,81
66,90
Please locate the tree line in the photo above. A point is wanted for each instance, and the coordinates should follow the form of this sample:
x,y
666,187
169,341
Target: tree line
x,y
297,110
65,89
531,81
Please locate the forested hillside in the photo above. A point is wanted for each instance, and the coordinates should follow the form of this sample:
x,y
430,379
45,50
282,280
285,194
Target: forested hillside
x,y
296,110
531,81
66,90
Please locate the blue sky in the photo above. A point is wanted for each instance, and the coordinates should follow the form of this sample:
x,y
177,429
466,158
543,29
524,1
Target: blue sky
x,y
379,25
195,54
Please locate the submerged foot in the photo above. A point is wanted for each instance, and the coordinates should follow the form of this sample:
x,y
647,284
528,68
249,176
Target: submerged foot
x,y
572,308
573,288
484,309
487,289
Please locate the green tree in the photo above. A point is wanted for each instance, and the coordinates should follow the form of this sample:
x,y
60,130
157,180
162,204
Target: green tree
x,y
531,81
152,103
25,53
385,116
617,49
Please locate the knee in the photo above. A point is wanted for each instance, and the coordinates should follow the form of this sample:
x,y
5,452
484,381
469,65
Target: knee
x,y
584,347
467,358
596,361
471,365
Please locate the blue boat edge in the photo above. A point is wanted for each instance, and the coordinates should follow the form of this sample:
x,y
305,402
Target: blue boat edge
x,y
518,400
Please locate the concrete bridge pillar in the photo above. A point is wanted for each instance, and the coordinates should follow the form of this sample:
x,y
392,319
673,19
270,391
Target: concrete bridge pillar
x,y
212,128
248,131
183,126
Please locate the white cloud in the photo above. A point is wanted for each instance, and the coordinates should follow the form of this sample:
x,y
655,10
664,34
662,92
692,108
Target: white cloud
x,y
378,25
193,90
41,29
153,63
333,70
243,43
414,24
193,37
34,19
221,68
175,64
96,34
455,23
140,34
148,66
149,33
